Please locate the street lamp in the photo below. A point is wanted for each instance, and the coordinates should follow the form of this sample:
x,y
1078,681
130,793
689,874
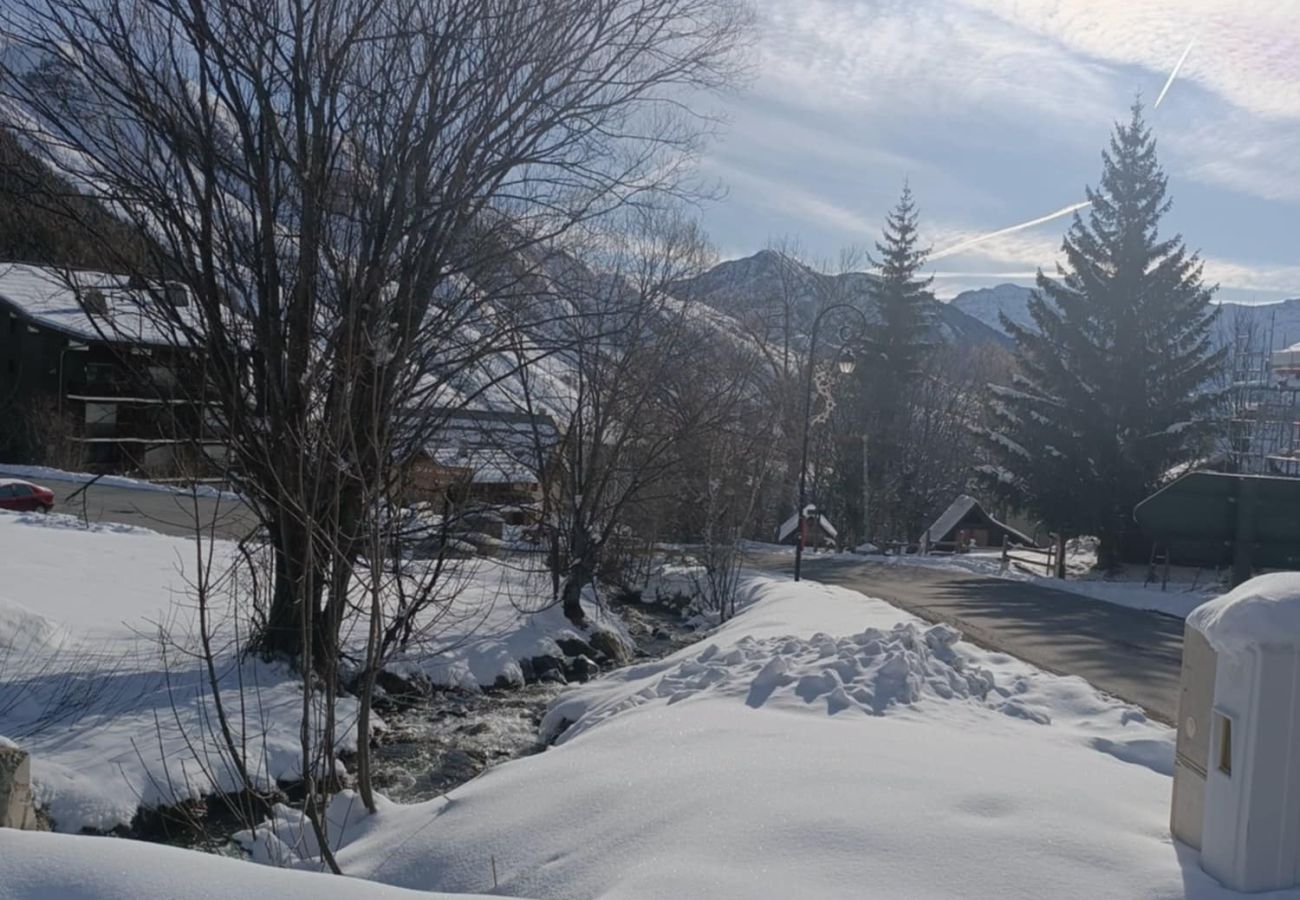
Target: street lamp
x,y
846,364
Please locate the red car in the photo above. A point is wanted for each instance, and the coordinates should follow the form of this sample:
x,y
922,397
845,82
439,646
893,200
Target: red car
x,y
23,496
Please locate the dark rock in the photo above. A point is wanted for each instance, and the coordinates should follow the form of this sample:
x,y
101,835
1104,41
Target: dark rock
x,y
405,687
583,668
607,644
575,647
549,670
526,668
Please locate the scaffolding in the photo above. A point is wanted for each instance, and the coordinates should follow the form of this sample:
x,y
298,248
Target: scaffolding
x,y
1264,397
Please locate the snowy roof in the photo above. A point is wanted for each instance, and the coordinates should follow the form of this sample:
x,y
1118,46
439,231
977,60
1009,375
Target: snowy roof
x,y
957,511
1264,611
59,299
496,447
789,525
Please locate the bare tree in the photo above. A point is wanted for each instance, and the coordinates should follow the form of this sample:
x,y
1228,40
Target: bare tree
x,y
322,178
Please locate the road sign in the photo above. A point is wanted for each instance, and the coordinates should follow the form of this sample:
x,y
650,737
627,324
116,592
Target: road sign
x,y
1216,518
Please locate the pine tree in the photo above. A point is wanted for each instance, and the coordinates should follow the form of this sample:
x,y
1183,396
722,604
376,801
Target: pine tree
x,y
898,342
899,338
1111,390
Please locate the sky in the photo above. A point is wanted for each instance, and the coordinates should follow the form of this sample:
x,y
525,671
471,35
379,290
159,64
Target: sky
x,y
996,113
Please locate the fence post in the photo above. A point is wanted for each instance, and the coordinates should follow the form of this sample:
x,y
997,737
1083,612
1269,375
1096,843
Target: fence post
x,y
1006,543
1060,556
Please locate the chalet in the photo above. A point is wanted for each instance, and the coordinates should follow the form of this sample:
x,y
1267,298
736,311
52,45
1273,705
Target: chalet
x,y
965,523
820,531
486,459
88,359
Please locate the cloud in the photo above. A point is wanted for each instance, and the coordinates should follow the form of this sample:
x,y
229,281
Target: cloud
x,y
782,196
1246,50
968,243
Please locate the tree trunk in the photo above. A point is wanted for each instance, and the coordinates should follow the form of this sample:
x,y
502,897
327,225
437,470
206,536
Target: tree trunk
x,y
281,636
571,596
1108,550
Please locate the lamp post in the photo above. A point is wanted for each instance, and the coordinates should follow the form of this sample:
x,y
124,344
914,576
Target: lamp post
x,y
846,364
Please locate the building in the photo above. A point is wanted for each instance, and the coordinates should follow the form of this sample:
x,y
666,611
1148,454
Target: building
x,y
98,373
820,531
965,523
494,461
1264,397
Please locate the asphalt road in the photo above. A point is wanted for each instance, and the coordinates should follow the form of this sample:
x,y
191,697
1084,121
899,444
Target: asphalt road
x,y
1131,654
165,511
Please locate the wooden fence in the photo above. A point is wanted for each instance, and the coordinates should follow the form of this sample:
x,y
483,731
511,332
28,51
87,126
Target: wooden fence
x,y
1028,559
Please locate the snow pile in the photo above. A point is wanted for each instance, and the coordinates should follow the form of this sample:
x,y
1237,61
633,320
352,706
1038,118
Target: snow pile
x,y
39,866
1261,612
868,672
670,784
499,613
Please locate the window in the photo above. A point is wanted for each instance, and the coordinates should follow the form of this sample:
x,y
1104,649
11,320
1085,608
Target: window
x,y
1224,761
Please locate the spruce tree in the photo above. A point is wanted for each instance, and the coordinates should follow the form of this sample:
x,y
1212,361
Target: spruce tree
x,y
1113,372
897,344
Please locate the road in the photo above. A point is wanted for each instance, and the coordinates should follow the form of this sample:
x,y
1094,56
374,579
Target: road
x,y
165,511
1132,654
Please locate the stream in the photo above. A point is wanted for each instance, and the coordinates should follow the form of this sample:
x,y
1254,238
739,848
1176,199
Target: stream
x,y
438,743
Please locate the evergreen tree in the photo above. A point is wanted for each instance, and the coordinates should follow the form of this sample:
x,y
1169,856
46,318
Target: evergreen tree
x,y
1111,390
900,300
898,342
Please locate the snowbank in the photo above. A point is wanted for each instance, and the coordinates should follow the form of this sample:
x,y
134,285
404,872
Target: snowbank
x,y
1264,611
732,770
39,866
116,717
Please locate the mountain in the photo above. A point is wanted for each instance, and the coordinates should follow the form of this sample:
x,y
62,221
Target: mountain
x,y
985,304
755,290
1282,319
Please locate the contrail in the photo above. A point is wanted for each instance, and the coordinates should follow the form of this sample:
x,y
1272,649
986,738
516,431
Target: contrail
x,y
1174,74
979,239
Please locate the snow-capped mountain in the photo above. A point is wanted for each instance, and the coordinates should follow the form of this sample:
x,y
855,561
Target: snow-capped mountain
x,y
987,304
1012,300
757,288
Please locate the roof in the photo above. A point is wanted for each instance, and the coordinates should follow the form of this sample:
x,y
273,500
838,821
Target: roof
x,y
956,511
57,298
789,525
497,447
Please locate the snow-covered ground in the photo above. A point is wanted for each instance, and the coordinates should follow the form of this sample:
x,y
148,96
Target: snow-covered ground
x,y
820,744
37,866
1178,599
97,686
46,473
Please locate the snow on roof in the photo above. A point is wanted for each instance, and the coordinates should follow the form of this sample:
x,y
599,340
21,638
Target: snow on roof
x,y
789,525
58,299
497,447
1261,612
957,511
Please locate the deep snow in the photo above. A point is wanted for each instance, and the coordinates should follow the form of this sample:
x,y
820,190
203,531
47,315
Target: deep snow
x,y
821,744
113,722
37,866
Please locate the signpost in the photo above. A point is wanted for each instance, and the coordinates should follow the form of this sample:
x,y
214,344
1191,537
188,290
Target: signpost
x,y
1215,518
